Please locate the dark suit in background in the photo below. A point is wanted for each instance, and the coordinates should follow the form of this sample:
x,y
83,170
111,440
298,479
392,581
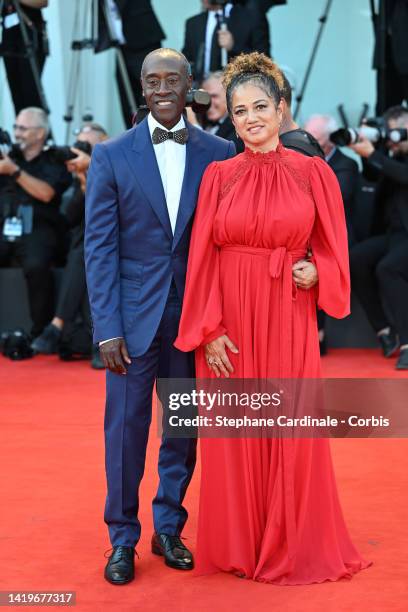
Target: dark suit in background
x,y
347,173
264,5
225,129
19,73
143,33
248,26
379,265
73,303
396,55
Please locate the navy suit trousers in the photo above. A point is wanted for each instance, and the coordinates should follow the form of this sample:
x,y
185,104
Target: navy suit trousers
x,y
127,421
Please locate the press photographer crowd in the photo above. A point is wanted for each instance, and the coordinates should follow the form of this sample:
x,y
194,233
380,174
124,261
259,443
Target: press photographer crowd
x,y
42,186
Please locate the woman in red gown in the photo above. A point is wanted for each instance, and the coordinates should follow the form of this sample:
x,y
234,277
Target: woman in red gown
x,y
269,509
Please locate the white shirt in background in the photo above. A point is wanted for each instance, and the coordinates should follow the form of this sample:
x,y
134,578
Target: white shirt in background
x,y
209,32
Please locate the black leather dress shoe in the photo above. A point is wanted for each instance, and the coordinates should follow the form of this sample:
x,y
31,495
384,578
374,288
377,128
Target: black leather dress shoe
x,y
389,343
171,547
120,568
402,363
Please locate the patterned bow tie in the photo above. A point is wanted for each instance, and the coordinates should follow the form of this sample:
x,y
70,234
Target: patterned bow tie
x,y
179,136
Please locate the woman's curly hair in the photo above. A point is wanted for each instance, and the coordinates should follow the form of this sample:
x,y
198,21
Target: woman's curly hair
x,y
255,68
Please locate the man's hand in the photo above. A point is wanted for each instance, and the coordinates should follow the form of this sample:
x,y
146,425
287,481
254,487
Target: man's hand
x,y
363,147
217,358
80,163
225,39
115,355
7,166
81,176
305,274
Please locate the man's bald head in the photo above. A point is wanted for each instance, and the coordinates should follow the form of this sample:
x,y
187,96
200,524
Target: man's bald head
x,y
165,53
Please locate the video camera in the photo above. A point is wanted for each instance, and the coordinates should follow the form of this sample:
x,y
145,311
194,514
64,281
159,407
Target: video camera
x,y
375,130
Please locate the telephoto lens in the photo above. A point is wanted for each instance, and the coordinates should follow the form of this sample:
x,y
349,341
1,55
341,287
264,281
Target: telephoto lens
x,y
349,136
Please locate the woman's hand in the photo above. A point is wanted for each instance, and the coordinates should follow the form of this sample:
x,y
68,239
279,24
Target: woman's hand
x,y
305,274
217,358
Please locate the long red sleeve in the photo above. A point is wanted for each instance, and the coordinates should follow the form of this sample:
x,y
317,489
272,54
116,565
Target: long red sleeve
x,y
201,319
329,242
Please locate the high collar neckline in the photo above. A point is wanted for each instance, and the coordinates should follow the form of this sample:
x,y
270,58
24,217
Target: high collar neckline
x,y
268,157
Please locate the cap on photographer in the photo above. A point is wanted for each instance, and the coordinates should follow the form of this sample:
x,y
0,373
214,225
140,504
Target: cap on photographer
x,y
31,186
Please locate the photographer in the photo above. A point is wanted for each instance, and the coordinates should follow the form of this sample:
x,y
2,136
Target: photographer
x,y
19,73
346,171
230,26
31,185
217,120
65,333
345,168
379,269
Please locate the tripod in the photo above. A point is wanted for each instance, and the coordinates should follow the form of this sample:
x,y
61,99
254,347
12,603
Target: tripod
x,y
29,52
89,42
78,45
323,20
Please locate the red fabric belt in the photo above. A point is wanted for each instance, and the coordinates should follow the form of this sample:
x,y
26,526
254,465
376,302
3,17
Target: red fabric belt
x,y
277,257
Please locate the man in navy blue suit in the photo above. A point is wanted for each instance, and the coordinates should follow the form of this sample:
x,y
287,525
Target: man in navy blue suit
x,y
141,196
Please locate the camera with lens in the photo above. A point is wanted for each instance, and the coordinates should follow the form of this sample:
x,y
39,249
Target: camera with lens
x,y
64,154
375,130
58,154
6,145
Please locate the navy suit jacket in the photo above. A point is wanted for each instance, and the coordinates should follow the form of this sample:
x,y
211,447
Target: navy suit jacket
x,y
131,254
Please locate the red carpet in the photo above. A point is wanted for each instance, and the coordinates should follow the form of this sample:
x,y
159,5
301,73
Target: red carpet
x,y
52,533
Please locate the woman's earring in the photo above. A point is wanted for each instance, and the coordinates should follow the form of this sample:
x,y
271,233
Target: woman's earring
x,y
236,134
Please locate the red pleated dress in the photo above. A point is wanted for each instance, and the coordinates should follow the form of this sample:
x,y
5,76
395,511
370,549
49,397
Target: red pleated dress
x,y
269,509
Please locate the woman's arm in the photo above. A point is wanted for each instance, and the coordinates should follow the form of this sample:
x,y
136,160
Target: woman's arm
x,y
328,242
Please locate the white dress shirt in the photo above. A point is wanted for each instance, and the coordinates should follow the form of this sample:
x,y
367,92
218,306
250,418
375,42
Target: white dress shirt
x,y
171,159
209,32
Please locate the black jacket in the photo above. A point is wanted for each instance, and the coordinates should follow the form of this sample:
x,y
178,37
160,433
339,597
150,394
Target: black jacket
x,y
346,170
348,175
396,23
226,130
392,190
301,141
265,5
248,27
141,27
